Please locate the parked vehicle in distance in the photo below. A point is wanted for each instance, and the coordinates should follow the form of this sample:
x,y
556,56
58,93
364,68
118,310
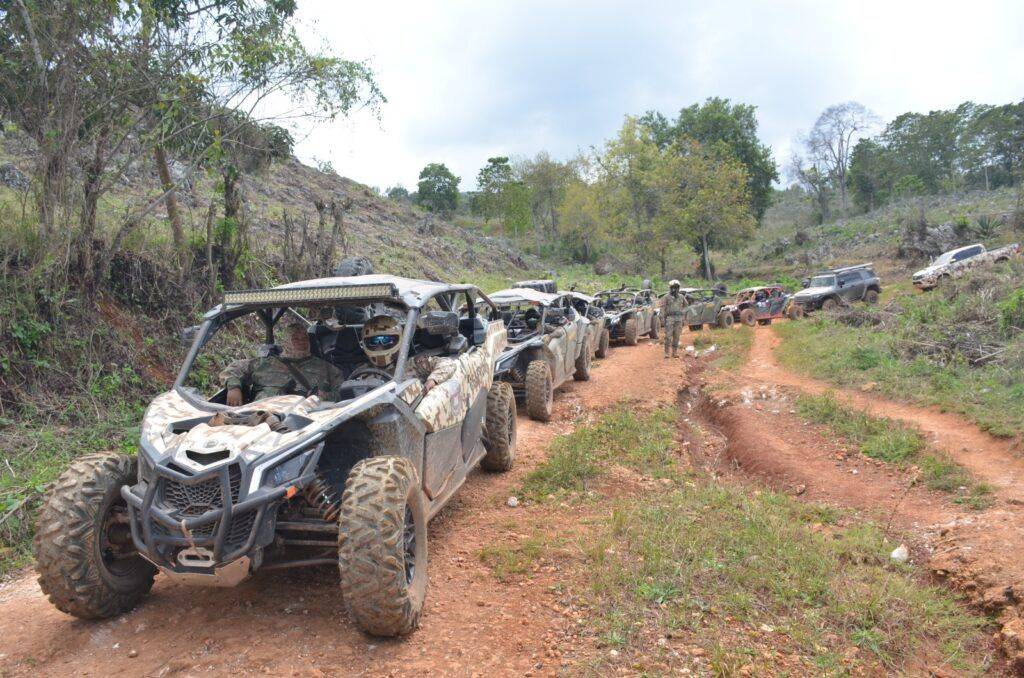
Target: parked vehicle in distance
x,y
706,307
828,290
760,305
546,286
597,330
548,343
631,313
954,263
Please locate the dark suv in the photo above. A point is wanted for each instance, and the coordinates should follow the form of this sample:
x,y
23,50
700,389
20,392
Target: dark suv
x,y
838,287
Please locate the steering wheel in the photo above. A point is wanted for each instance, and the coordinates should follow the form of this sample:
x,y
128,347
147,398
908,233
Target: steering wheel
x,y
364,379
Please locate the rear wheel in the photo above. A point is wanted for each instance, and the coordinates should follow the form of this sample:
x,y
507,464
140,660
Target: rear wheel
x,y
629,332
748,317
88,565
540,393
871,296
582,372
602,347
724,319
500,428
829,304
382,546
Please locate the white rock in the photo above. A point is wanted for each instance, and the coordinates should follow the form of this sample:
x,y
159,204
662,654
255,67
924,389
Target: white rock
x,y
512,502
900,554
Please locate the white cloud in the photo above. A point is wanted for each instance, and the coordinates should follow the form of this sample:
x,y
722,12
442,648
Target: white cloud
x,y
467,80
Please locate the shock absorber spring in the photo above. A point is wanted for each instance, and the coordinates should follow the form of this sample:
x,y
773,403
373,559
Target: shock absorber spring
x,y
323,498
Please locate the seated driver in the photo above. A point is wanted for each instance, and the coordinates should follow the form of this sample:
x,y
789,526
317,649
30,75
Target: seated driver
x,y
382,340
295,371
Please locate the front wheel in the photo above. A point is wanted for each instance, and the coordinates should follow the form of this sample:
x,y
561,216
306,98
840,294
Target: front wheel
x,y
829,304
85,557
748,317
724,320
795,312
582,372
602,347
382,546
540,392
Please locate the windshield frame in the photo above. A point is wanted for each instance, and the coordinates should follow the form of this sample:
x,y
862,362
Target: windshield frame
x,y
829,278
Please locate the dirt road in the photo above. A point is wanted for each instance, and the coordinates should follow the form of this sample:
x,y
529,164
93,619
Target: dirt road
x,y
978,552
294,623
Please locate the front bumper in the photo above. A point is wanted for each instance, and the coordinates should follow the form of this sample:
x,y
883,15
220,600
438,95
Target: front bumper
x,y
174,515
808,303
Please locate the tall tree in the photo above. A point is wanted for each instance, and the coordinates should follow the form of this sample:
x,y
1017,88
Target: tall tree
x,y
492,181
831,141
547,180
705,200
438,189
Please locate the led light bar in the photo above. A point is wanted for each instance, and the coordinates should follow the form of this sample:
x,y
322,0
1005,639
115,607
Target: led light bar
x,y
302,295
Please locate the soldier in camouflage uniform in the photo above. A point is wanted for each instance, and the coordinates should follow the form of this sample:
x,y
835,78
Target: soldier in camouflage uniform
x,y
381,341
673,306
294,371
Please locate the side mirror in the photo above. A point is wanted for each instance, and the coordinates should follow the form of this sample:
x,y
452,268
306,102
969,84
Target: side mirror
x,y
188,334
805,283
840,284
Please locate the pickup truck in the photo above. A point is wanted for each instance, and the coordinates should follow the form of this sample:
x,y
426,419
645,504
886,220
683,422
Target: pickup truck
x,y
954,263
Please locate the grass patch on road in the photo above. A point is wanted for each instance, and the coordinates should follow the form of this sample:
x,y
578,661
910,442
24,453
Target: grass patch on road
x,y
732,346
638,440
726,579
895,443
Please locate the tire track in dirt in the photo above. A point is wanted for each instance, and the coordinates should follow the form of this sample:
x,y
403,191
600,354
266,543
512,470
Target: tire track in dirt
x,y
976,552
294,623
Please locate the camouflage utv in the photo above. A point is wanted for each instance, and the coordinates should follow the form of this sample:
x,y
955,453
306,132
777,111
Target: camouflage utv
x,y
597,328
630,313
706,307
548,342
217,492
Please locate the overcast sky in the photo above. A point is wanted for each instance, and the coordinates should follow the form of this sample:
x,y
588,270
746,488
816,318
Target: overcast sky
x,y
470,80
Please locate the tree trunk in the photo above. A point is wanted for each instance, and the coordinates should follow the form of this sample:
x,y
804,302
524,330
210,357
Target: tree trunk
x,y
170,197
210,268
704,255
91,175
986,179
51,172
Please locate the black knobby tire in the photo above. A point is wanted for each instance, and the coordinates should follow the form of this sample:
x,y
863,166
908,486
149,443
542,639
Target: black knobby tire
x,y
654,328
829,304
83,540
871,296
540,392
629,332
352,266
382,546
748,317
582,372
724,320
604,343
500,428
795,312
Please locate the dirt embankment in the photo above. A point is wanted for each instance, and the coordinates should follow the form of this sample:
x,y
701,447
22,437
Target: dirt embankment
x,y
294,623
977,552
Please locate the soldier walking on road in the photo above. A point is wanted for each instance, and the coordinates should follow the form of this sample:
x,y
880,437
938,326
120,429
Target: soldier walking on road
x,y
673,306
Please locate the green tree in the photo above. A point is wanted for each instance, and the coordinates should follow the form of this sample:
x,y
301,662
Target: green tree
x,y
717,121
581,224
398,194
438,189
547,180
705,199
492,181
870,174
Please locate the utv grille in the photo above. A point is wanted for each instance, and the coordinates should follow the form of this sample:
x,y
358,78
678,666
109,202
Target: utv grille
x,y
200,498
241,526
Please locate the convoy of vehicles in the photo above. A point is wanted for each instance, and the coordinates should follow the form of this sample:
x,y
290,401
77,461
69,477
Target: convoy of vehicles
x,y
303,478
630,312
955,263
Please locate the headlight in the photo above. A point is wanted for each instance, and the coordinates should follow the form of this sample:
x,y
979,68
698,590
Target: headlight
x,y
287,470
